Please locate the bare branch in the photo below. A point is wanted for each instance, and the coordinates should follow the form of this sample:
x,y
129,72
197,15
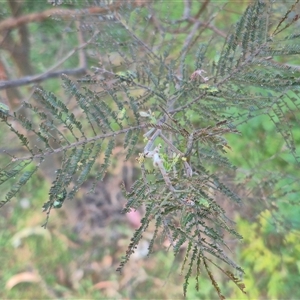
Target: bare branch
x,y
50,73
38,78
187,9
12,23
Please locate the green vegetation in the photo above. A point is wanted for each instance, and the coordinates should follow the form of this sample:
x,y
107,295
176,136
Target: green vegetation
x,y
188,111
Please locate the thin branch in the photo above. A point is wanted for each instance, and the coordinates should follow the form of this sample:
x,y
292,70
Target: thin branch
x,y
222,81
38,78
49,74
276,31
84,141
143,44
189,38
187,9
12,23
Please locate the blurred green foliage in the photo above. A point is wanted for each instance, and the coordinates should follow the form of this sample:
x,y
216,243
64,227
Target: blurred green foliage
x,y
67,268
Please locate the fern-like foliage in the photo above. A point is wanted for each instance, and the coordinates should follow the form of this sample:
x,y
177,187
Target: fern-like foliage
x,y
187,103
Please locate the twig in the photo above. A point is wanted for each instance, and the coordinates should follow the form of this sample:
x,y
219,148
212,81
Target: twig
x,y
188,169
150,51
38,78
11,23
187,9
151,140
49,74
246,61
157,162
189,38
81,142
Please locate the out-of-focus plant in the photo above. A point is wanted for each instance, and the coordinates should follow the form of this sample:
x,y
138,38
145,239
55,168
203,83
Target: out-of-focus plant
x,y
194,102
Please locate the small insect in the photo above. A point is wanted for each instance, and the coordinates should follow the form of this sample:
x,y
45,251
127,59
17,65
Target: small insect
x,y
210,90
126,76
60,199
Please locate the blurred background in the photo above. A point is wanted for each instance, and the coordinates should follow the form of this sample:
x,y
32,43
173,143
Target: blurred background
x,y
76,257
